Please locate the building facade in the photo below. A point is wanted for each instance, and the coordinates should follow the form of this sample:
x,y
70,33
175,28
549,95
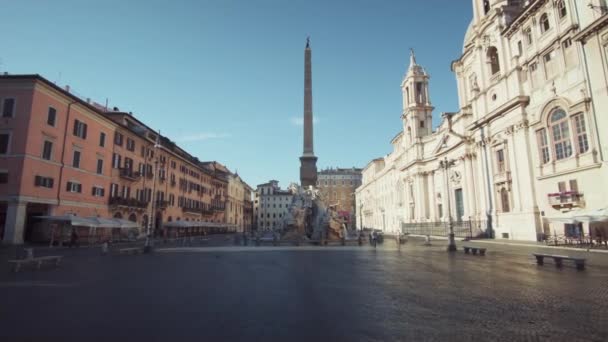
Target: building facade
x,y
271,206
239,199
337,188
526,144
62,155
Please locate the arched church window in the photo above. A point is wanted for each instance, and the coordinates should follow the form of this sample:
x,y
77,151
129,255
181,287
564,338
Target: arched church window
x,y
544,23
560,133
504,199
561,8
486,6
492,56
407,96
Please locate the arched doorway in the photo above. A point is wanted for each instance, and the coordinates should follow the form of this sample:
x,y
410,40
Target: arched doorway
x,y
133,218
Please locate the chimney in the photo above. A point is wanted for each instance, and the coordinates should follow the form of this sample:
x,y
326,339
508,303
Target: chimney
x,y
88,100
67,88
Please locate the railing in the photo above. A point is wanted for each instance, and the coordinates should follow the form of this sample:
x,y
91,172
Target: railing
x,y
581,240
128,202
162,204
129,174
462,229
191,210
566,198
207,211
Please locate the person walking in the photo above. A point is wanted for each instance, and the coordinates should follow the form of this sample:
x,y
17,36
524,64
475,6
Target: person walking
x,y
74,238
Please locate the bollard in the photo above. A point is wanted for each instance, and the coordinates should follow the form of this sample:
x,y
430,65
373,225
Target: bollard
x,y
427,241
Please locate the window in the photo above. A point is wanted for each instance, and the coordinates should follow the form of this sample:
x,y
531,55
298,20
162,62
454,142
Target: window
x,y
560,129
486,6
102,139
99,166
528,35
492,56
420,98
74,187
4,142
47,150
8,108
543,145
544,23
98,191
143,151
116,160
130,144
3,177
561,8
51,116
80,129
573,185
118,139
76,159
520,49
504,199
113,190
582,144
421,126
45,182
500,160
534,74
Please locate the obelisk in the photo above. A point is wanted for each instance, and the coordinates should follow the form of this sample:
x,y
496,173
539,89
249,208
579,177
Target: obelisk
x,y
308,161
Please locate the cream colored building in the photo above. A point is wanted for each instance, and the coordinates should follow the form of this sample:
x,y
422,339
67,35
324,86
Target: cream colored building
x,y
271,206
529,141
238,192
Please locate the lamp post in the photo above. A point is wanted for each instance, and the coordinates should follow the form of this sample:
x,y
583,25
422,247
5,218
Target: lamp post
x,y
445,164
152,217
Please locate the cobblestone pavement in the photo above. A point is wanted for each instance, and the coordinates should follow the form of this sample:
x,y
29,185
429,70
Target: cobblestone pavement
x,y
348,293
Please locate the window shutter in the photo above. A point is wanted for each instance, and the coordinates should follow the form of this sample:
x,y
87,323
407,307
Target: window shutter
x,y
79,187
51,181
562,186
93,192
69,186
84,131
75,127
573,185
37,180
103,192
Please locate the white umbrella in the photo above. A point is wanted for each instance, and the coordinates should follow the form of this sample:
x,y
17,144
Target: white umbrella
x,y
597,215
75,221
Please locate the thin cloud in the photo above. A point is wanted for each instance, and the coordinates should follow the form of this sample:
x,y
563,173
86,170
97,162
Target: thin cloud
x,y
204,136
299,121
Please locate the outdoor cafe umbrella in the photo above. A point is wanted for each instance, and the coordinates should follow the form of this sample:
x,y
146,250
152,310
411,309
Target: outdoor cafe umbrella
x,y
64,220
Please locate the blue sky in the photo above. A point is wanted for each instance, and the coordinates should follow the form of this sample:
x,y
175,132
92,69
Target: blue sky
x,y
224,78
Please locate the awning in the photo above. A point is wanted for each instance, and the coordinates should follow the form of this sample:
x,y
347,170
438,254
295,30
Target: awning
x,y
579,216
113,223
75,221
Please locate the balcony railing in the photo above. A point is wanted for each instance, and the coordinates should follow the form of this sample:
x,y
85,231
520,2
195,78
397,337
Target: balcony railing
x,y
565,199
129,174
207,211
191,210
128,202
162,204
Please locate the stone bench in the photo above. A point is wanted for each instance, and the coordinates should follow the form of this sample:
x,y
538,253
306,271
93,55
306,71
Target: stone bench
x,y
559,260
474,250
38,261
131,250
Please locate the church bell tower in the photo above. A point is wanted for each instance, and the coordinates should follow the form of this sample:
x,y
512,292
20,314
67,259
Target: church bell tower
x,y
417,114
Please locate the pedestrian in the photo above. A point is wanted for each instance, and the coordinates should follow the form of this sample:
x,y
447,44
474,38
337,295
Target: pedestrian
x,y
74,238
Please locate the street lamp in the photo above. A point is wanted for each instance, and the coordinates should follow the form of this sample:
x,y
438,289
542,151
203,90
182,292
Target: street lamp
x,y
152,217
445,164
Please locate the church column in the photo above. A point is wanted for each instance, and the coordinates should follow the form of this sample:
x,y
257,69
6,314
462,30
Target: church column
x,y
466,189
474,185
419,200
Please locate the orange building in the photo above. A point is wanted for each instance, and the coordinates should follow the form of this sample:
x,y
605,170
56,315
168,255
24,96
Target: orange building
x,y
62,155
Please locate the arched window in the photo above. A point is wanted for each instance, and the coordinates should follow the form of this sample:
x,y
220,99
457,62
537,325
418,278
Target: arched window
x,y
486,6
560,134
544,23
561,8
504,199
492,56
132,218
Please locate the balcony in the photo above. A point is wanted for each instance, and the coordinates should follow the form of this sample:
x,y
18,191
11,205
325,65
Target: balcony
x,y
128,202
161,204
207,212
191,210
566,199
128,174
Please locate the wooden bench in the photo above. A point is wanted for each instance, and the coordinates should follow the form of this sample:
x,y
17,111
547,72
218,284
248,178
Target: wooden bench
x,y
134,250
38,261
558,259
474,250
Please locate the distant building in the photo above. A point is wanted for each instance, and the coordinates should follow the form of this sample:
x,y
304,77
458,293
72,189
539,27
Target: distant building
x,y
337,188
239,193
271,205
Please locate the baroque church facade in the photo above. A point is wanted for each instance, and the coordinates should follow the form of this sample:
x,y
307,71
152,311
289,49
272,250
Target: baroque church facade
x,y
529,141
